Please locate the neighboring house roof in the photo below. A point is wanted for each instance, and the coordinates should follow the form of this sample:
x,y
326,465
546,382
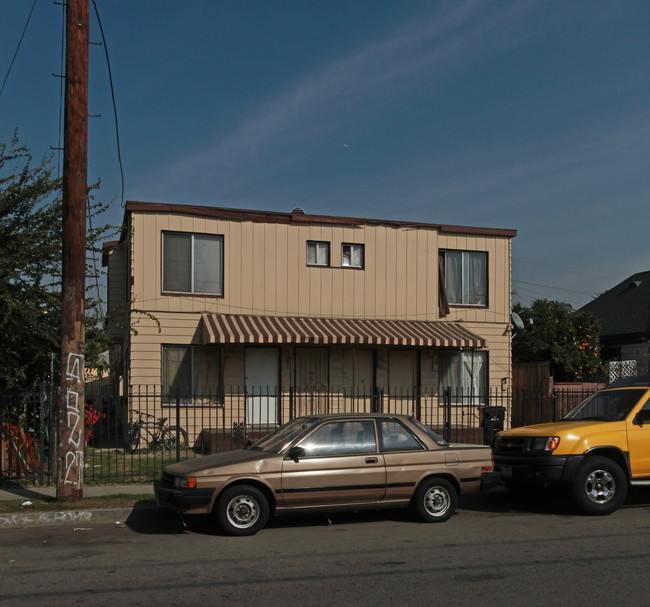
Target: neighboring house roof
x,y
624,310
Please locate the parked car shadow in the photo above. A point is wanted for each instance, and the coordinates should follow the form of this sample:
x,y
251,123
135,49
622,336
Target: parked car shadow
x,y
207,525
500,501
549,500
147,518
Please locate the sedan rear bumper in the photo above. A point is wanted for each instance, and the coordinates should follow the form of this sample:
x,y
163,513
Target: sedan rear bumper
x,y
490,479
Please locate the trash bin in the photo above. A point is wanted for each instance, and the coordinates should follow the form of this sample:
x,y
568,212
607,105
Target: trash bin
x,y
493,418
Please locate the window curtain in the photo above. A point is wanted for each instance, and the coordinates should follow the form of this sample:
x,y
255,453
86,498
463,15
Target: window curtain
x,y
311,253
207,371
177,262
474,380
208,264
453,276
177,371
357,256
443,302
466,374
477,278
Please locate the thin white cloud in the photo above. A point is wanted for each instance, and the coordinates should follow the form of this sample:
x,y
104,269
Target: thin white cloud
x,y
382,72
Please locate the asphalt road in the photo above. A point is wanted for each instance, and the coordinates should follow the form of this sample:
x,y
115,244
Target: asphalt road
x,y
492,552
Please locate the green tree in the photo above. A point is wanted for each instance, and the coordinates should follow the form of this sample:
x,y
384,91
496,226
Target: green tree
x,y
569,339
30,271
30,267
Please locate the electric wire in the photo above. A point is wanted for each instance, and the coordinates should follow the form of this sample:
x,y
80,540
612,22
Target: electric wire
x,y
94,258
110,78
61,91
2,88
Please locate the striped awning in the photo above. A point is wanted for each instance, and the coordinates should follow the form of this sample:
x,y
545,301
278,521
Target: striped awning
x,y
248,329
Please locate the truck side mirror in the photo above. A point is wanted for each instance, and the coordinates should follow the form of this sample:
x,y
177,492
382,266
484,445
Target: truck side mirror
x,y
643,417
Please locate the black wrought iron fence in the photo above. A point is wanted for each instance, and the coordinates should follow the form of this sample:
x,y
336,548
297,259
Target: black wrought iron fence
x,y
129,438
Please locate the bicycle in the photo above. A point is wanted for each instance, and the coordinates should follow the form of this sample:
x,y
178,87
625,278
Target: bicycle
x,y
160,433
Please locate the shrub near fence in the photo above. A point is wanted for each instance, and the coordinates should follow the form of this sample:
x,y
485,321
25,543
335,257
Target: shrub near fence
x,y
227,421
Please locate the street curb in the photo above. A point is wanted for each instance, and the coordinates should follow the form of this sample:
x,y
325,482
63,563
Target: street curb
x,y
83,518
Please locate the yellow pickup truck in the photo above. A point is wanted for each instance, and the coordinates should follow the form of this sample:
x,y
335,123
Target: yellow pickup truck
x,y
598,450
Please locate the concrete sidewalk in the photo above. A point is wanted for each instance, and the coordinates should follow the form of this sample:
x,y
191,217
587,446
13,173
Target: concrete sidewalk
x,y
80,517
16,493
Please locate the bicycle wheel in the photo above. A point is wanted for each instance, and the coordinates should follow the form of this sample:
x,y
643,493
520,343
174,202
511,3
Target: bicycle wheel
x,y
169,437
132,437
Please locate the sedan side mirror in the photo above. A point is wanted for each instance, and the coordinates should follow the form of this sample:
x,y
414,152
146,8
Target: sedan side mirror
x,y
295,453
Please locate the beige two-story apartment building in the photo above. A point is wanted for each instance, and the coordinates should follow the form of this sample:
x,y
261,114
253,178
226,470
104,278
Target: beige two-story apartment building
x,y
295,312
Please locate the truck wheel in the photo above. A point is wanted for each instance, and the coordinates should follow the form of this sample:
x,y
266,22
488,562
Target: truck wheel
x,y
599,486
434,500
242,510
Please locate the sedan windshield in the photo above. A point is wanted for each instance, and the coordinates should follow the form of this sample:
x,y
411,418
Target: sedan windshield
x,y
278,440
609,406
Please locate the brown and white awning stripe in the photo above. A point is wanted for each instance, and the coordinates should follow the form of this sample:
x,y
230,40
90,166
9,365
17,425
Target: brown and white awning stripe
x,y
249,329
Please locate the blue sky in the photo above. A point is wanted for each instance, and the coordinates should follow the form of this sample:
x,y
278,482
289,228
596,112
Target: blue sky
x,y
532,115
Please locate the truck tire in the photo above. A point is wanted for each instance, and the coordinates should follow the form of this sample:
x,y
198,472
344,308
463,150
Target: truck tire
x,y
599,486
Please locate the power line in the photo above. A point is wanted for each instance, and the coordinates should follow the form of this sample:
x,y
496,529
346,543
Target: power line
x,y
534,284
564,267
61,90
110,78
17,48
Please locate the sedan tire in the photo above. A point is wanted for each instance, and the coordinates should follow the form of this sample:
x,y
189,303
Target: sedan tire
x,y
242,510
435,500
599,486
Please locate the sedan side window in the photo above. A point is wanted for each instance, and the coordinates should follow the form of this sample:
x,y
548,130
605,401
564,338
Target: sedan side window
x,y
341,438
395,437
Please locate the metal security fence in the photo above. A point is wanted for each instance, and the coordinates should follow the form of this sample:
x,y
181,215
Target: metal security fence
x,y
131,437
537,406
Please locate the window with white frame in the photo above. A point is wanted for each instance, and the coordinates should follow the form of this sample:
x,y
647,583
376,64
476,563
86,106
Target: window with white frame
x,y
318,253
352,255
192,263
465,374
465,277
191,372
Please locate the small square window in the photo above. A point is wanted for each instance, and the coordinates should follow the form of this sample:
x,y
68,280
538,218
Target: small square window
x,y
318,253
352,255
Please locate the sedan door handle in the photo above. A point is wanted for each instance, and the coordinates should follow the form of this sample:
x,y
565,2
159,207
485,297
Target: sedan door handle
x,y
371,460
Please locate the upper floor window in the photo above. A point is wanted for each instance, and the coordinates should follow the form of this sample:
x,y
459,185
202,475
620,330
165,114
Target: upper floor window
x,y
465,277
352,255
192,263
318,253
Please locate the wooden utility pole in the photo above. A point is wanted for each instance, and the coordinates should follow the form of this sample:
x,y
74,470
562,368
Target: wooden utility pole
x,y
69,487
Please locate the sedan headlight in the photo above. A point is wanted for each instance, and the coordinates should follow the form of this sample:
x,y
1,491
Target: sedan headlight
x,y
548,444
184,483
